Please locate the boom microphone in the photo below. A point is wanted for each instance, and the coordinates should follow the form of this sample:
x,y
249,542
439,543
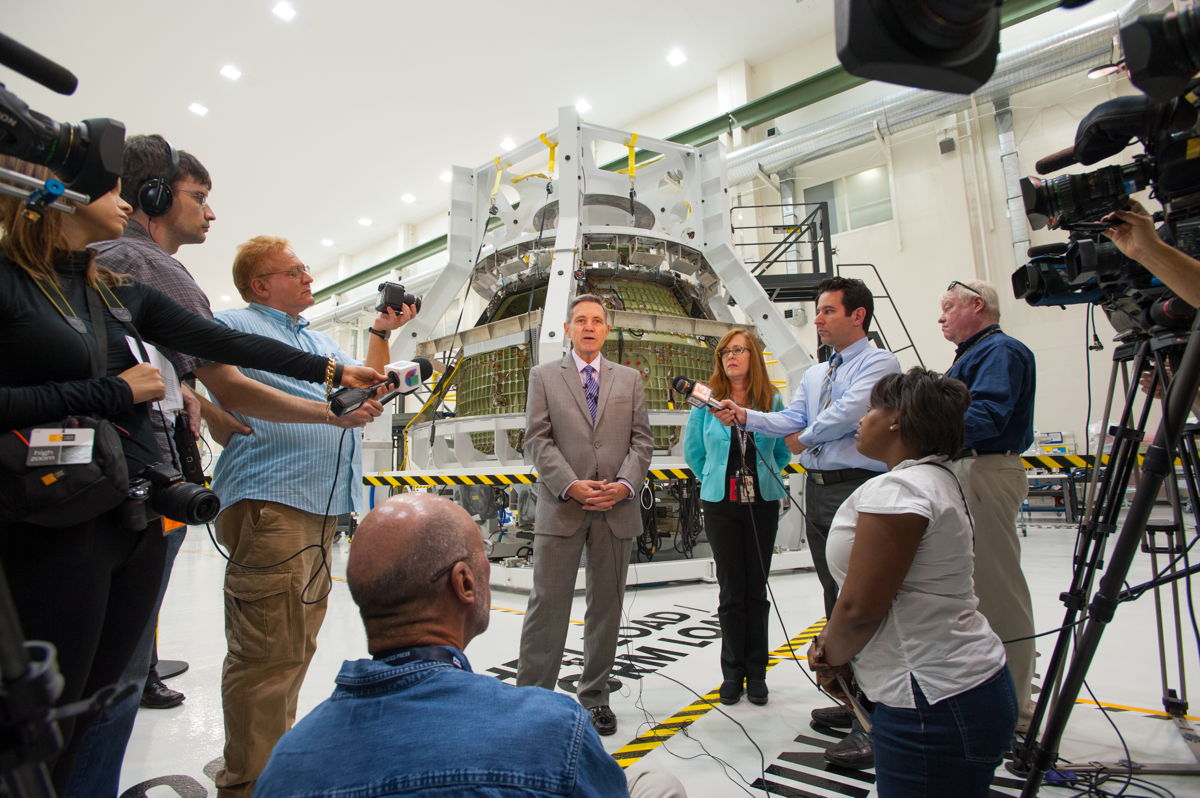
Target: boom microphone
x,y
697,393
36,67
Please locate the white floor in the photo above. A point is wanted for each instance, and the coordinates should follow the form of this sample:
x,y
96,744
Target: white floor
x,y
671,631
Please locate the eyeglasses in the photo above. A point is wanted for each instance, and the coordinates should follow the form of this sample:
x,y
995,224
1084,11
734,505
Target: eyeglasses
x,y
447,569
733,350
964,285
200,197
294,274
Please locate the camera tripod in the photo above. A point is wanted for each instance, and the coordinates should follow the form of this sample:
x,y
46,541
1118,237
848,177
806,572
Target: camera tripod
x,y
1150,355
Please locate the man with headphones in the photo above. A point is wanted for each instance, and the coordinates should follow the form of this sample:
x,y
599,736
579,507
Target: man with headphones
x,y
169,190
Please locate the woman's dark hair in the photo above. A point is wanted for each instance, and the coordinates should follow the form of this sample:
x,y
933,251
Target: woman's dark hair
x,y
931,408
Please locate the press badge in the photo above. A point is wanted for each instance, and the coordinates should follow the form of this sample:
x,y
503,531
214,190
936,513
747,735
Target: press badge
x,y
58,446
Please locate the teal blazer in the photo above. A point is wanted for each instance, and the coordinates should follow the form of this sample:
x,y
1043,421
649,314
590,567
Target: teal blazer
x,y
706,450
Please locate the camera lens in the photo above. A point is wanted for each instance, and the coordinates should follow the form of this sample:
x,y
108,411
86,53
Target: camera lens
x,y
191,504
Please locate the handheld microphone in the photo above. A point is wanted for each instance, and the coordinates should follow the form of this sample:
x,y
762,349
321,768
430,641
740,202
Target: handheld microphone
x,y
404,376
697,393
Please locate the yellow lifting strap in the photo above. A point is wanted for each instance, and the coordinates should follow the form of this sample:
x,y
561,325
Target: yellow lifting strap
x,y
552,146
496,182
631,145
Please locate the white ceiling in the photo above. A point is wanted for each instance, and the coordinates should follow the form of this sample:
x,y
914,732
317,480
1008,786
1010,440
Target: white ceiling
x,y
352,104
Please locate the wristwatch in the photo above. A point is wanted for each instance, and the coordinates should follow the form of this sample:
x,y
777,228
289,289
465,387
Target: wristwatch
x,y
382,334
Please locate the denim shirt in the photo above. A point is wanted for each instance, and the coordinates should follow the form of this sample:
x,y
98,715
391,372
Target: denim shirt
x,y
425,728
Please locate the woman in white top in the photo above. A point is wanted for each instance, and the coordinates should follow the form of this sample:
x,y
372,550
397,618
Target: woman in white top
x,y
905,626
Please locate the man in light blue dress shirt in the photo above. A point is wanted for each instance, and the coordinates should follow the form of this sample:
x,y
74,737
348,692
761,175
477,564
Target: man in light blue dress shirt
x,y
281,489
820,424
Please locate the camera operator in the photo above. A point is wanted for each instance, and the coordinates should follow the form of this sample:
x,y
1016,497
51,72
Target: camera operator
x,y
169,192
279,510
89,588
1138,240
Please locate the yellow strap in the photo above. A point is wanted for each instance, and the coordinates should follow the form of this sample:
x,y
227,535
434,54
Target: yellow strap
x,y
519,178
496,182
428,402
552,146
632,146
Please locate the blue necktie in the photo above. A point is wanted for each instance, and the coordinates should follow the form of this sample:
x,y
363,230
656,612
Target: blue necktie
x,y
591,390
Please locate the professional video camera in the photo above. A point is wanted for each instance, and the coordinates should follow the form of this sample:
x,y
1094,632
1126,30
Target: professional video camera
x,y
1088,268
85,155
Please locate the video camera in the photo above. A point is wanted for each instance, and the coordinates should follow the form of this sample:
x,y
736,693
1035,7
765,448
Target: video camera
x,y
1089,268
85,155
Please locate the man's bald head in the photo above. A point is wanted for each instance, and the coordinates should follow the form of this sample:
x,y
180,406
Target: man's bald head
x,y
418,573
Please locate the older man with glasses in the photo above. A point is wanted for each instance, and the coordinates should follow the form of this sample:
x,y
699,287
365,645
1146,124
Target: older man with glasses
x,y
281,491
1001,375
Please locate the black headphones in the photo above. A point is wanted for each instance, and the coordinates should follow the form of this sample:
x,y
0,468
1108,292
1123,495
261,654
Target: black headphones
x,y
154,196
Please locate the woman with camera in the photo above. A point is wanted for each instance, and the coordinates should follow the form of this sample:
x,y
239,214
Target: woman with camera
x,y
88,587
905,626
741,489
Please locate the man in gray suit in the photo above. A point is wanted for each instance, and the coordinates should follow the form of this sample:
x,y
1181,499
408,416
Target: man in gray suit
x,y
588,436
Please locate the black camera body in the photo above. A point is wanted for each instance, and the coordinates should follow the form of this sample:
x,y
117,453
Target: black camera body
x,y
159,490
393,295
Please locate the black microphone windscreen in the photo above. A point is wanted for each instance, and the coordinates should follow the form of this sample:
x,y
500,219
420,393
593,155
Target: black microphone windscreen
x,y
1055,161
426,367
681,384
36,67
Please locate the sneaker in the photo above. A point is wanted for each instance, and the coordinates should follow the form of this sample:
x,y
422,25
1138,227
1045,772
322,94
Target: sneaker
x,y
156,695
603,720
731,691
756,691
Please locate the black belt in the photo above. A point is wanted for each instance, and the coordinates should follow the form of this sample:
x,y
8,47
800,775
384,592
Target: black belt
x,y
980,453
836,475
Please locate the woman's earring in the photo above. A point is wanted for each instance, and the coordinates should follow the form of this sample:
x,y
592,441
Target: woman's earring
x,y
894,427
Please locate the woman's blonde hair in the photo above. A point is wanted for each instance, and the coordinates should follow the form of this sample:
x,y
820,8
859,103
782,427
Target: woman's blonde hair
x,y
762,393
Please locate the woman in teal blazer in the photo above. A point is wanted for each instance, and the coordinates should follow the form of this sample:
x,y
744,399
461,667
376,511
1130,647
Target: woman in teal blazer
x,y
741,533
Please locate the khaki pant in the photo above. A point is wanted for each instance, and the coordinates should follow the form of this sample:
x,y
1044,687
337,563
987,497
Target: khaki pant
x,y
270,631
996,485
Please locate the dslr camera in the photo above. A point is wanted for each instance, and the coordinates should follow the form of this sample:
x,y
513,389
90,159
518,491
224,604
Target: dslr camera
x,y
393,295
159,490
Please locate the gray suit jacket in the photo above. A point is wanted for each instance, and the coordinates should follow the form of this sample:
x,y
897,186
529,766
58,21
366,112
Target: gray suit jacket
x,y
564,445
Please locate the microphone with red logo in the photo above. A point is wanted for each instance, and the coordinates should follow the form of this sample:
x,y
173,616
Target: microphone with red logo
x,y
697,393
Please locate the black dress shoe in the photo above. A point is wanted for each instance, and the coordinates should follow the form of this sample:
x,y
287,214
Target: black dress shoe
x,y
731,691
853,751
156,695
838,717
603,720
756,691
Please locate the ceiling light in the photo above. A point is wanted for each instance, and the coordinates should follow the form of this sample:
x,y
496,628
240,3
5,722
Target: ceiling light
x,y
446,177
327,242
582,106
507,144
408,199
226,298
676,57
365,222
284,11
198,109
230,71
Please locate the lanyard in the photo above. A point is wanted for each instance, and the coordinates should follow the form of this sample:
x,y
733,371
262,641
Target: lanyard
x,y
404,656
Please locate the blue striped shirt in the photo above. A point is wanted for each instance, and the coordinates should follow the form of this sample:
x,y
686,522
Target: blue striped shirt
x,y
292,464
829,433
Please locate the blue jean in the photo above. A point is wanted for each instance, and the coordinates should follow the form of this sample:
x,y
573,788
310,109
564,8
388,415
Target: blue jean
x,y
98,762
948,750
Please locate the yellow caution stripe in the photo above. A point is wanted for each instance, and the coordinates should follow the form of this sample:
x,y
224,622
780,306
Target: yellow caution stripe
x,y
658,734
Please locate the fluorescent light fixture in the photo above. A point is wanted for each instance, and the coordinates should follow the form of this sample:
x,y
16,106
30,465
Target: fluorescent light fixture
x,y
582,106
327,242
407,199
230,71
365,222
676,57
284,11
445,176
198,109
507,144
